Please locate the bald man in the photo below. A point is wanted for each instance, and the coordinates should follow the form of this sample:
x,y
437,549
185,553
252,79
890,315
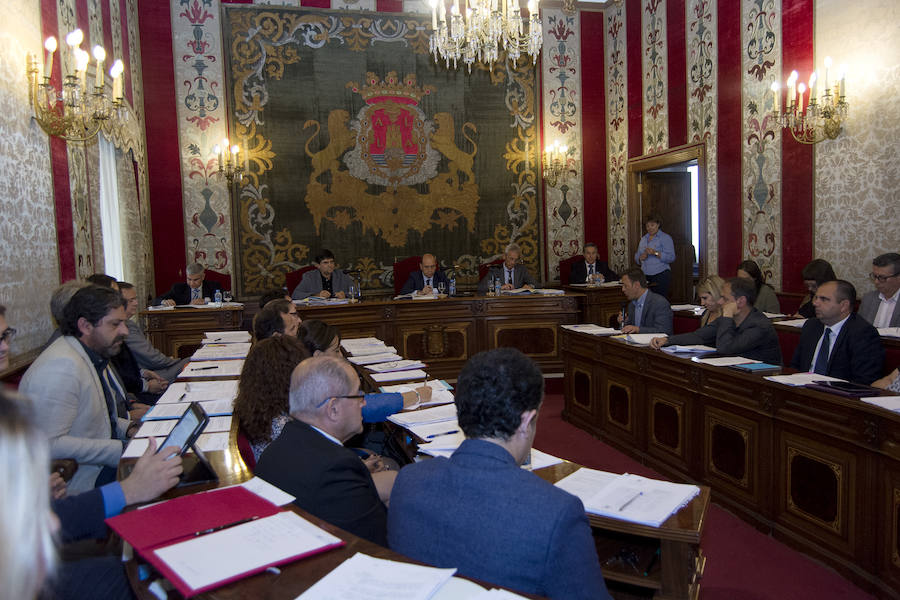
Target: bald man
x,y
426,279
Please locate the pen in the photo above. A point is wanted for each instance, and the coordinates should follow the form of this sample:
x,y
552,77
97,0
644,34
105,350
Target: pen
x,y
633,498
205,368
181,397
225,526
434,435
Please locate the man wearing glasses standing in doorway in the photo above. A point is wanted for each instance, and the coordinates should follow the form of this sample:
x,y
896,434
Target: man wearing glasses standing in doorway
x,y
880,307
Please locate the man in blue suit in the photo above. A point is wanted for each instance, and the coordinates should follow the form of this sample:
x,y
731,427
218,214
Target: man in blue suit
x,y
646,311
426,279
479,511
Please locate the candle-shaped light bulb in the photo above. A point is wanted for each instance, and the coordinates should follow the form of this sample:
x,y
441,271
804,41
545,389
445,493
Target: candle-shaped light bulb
x,y
218,152
50,46
775,87
812,86
235,152
827,66
792,89
74,38
801,89
116,73
82,59
843,74
99,56
434,14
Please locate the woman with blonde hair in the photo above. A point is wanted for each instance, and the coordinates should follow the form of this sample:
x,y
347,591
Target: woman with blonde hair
x,y
710,291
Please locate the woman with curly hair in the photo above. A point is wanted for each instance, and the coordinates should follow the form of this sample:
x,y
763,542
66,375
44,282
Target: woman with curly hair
x,y
261,406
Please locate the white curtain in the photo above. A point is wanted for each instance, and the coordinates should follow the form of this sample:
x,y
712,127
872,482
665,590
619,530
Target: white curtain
x,y
109,211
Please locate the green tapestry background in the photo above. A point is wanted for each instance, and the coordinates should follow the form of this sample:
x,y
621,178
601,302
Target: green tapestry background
x,y
358,142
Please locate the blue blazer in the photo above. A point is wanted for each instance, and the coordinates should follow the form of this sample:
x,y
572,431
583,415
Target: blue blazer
x,y
416,281
656,316
481,513
856,355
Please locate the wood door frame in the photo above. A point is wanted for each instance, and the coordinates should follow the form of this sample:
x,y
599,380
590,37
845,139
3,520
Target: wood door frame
x,y
651,162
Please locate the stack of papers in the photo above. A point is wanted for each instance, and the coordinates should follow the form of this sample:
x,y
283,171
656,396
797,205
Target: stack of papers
x,y
318,300
423,417
213,368
363,577
591,329
628,497
886,402
399,376
774,315
164,427
698,349
396,365
642,339
525,291
691,307
174,410
366,346
207,442
440,392
225,337
889,331
793,322
800,379
199,391
222,351
725,361
371,359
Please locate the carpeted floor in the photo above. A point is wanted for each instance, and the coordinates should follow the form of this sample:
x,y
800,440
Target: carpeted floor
x,y
742,563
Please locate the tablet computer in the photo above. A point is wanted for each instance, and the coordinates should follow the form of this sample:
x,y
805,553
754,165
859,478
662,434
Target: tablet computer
x,y
188,429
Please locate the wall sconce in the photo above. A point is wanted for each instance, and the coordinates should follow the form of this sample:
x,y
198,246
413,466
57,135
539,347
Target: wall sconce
x,y
809,119
556,164
229,162
73,113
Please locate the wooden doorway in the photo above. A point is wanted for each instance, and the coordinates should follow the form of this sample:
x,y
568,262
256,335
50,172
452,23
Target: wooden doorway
x,y
660,184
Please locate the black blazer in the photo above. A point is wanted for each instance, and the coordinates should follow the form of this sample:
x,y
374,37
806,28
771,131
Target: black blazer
x,y
181,292
416,281
329,481
857,354
81,516
578,274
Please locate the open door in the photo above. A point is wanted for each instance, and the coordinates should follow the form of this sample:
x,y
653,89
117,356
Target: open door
x,y
668,194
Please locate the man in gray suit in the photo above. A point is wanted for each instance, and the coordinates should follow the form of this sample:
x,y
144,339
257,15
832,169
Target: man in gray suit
x,y
880,307
79,401
646,312
511,273
324,281
156,367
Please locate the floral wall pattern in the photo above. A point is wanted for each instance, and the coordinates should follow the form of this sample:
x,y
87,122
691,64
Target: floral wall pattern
x,y
654,59
617,138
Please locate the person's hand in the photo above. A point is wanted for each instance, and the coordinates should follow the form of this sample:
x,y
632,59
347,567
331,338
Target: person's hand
x,y
644,255
324,294
152,474
157,386
57,486
527,286
168,302
137,411
658,342
340,295
424,393
631,329
506,286
198,301
427,290
729,309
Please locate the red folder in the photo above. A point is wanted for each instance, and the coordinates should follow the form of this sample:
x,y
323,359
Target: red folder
x,y
181,518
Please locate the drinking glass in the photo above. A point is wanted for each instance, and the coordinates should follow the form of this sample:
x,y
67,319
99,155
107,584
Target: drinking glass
x,y
226,296
442,288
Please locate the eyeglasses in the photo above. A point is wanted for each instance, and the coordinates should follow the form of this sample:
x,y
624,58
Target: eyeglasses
x,y
881,278
358,396
7,335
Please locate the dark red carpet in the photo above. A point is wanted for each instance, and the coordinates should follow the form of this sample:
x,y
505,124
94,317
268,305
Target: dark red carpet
x,y
742,563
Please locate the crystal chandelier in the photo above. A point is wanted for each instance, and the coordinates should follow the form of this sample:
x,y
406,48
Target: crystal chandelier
x,y
75,112
810,119
482,30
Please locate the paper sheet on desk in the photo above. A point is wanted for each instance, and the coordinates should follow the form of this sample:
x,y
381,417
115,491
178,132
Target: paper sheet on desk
x,y
438,397
213,368
886,402
431,431
591,329
264,489
199,391
364,577
399,376
207,442
225,337
889,331
221,351
425,416
642,339
396,365
371,359
174,410
435,384
793,322
725,361
798,379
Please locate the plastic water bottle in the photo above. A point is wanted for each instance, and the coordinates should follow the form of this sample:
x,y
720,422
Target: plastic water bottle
x,y
218,297
498,283
453,285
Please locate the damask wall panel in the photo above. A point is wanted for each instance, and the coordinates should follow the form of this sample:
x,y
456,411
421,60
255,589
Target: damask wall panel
x,y
617,137
858,175
654,58
200,105
703,89
761,155
29,263
562,70
376,164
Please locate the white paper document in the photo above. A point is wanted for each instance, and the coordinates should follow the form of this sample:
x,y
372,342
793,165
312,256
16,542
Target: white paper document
x,y
155,429
539,460
227,337
221,351
634,498
396,365
437,414
798,379
364,577
887,402
774,315
689,349
399,375
889,331
725,361
199,391
213,408
443,445
208,559
218,424
264,489
793,322
592,329
371,359
213,368
438,397
435,384
642,339
691,307
432,431
207,442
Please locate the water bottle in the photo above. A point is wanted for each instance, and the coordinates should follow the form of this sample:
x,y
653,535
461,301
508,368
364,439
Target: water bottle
x,y
498,283
218,297
452,285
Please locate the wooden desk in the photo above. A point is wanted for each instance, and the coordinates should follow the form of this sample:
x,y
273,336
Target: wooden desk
x,y
446,333
178,332
600,303
818,471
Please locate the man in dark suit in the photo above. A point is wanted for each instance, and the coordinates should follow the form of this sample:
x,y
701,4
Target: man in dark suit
x,y
880,307
512,275
309,460
646,312
426,279
194,291
838,342
479,511
591,270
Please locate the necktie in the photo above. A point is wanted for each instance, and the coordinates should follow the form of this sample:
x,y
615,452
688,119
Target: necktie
x,y
509,278
428,282
822,360
590,269
113,404
195,293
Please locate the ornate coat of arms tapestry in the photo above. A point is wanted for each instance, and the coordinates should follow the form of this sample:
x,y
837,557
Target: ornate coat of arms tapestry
x,y
356,141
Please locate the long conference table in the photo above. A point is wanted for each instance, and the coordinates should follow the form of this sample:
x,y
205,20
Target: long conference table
x,y
817,470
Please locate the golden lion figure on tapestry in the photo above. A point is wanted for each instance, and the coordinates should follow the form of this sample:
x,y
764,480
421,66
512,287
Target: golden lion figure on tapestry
x,y
393,144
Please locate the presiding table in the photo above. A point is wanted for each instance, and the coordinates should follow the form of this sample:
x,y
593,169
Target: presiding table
x,y
817,470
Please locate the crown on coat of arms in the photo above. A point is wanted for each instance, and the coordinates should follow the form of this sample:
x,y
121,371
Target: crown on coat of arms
x,y
391,88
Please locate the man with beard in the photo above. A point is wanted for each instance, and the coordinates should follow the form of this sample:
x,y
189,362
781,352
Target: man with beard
x,y
78,401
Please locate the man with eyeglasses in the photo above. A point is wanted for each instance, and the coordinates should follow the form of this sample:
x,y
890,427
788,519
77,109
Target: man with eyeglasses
x,y
6,335
309,460
879,307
